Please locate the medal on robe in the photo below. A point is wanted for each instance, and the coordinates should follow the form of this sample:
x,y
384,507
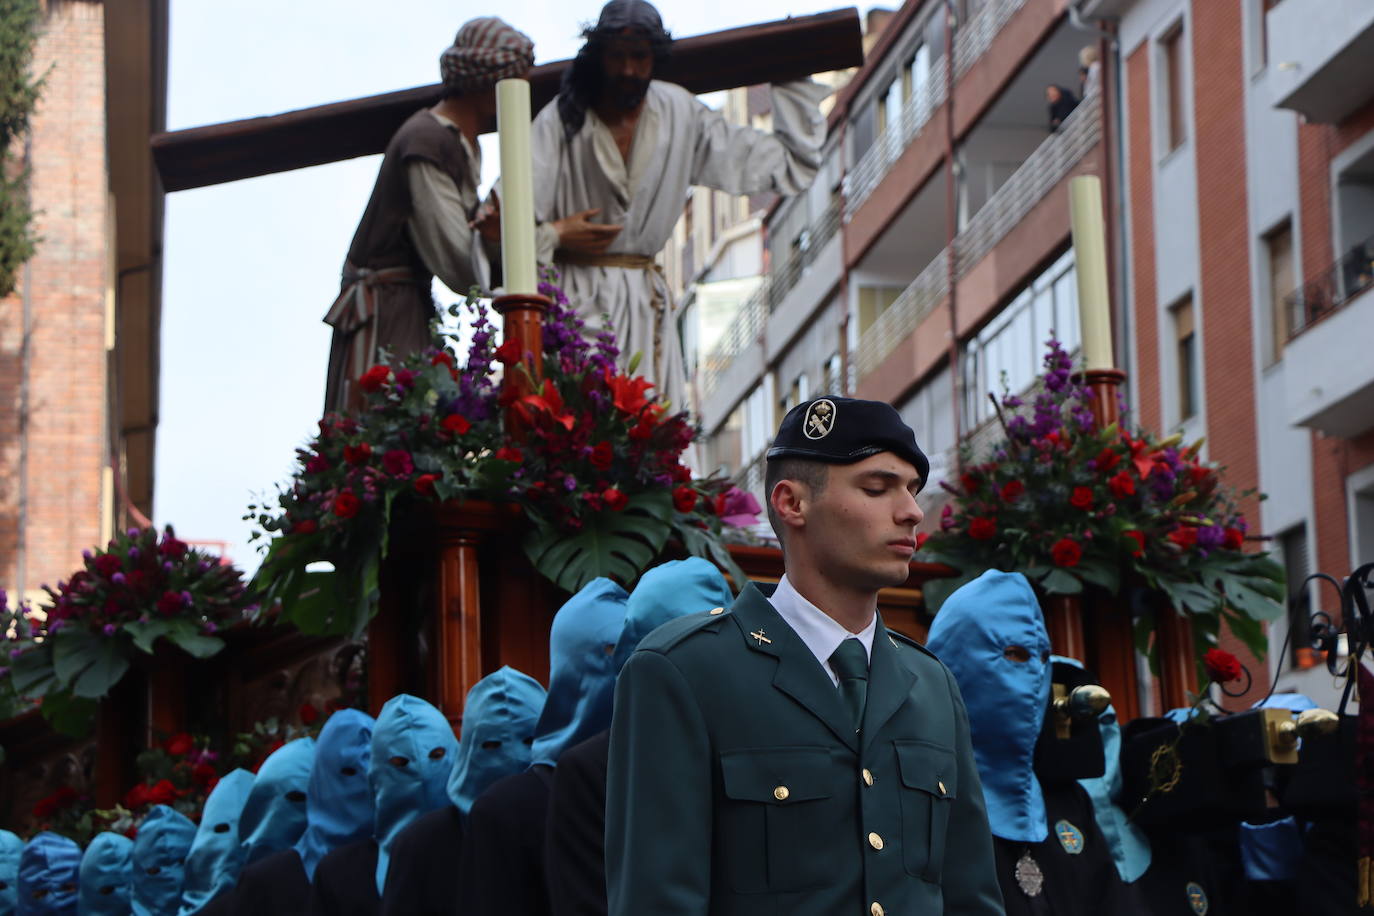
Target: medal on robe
x,y
1070,837
1029,877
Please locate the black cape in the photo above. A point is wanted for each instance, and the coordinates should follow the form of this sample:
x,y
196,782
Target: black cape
x,y
1193,872
575,848
346,882
422,879
274,884
220,905
503,850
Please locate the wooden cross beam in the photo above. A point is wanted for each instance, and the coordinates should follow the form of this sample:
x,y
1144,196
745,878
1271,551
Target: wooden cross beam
x,y
788,49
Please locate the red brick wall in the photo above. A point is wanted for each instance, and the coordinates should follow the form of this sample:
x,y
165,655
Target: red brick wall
x,y
68,388
1140,188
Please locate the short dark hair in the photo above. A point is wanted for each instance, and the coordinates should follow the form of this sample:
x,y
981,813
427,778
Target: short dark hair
x,y
815,474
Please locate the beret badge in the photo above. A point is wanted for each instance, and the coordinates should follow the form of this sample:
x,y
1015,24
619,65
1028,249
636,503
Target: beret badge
x,y
820,419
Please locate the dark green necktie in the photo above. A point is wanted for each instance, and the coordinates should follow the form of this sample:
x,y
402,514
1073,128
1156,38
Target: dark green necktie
x,y
850,664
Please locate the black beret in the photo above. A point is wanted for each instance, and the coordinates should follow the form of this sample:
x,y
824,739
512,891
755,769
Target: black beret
x,y
840,430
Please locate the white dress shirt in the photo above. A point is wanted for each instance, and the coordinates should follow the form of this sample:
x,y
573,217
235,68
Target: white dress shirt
x,y
821,633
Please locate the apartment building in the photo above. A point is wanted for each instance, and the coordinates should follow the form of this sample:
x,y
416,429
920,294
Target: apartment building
x,y
932,259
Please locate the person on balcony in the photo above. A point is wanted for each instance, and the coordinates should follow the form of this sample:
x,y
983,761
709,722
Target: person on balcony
x,y
417,224
789,753
1061,102
614,156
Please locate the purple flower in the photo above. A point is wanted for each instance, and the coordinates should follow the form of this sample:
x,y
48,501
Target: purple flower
x,y
108,629
1210,536
210,626
186,598
85,555
167,566
117,578
15,653
569,483
133,532
134,553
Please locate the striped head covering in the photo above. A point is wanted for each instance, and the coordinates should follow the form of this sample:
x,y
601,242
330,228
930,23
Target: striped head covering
x,y
485,51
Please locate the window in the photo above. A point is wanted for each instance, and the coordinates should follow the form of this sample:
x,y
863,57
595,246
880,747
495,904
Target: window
x,y
1171,56
873,301
833,379
1278,246
796,394
919,73
1293,550
1186,357
861,129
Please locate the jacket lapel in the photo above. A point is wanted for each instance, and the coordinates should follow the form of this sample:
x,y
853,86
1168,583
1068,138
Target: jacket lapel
x,y
799,674
889,684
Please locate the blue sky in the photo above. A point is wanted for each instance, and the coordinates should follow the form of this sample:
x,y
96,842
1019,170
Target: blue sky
x,y
250,267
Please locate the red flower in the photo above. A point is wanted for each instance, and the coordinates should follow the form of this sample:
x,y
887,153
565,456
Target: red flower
x,y
644,429
1012,490
602,456
506,453
136,797
1122,484
398,463
308,713
1221,665
317,464
441,358
982,529
55,802
357,454
1235,539
969,482
203,773
921,540
374,378
508,353
456,423
405,378
1197,473
172,548
628,394
305,526
346,505
424,484
681,473
107,564
614,499
179,745
1137,540
1066,552
163,792
1107,459
684,498
1082,498
1184,536
170,603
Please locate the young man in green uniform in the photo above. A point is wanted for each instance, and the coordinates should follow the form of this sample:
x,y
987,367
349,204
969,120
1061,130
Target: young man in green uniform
x,y
789,754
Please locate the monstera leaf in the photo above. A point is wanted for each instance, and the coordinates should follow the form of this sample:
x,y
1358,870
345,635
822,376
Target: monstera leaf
x,y
616,545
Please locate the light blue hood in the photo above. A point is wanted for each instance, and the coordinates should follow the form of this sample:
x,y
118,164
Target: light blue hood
x,y
1296,702
48,868
581,669
413,751
107,875
160,849
339,801
666,592
11,848
1006,699
1129,846
216,855
274,816
499,717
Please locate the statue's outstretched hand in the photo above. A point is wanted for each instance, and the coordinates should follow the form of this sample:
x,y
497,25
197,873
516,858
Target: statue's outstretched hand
x,y
578,233
487,221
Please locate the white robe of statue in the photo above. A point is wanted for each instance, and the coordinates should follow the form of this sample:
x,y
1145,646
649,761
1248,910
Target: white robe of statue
x,y
678,143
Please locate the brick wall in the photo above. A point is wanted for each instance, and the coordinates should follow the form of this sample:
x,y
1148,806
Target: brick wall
x,y
1140,188
68,376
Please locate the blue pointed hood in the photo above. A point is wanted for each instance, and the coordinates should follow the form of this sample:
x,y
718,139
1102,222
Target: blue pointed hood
x,y
666,592
48,876
499,717
216,854
274,816
581,669
1006,698
160,849
1129,845
107,875
413,751
11,848
339,801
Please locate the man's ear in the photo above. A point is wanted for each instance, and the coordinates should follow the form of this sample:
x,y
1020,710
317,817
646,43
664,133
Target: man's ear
x,y
790,500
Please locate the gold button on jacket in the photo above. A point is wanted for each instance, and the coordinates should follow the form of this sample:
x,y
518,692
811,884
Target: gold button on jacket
x,y
781,793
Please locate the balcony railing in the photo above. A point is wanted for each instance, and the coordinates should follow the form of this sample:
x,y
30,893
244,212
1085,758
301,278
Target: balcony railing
x,y
875,164
975,37
904,314
742,333
1029,184
1337,285
750,477
817,236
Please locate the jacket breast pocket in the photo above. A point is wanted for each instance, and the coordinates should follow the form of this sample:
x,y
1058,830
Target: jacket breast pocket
x,y
929,787
778,811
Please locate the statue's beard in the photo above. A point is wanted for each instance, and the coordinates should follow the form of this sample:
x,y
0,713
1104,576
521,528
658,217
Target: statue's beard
x,y
627,93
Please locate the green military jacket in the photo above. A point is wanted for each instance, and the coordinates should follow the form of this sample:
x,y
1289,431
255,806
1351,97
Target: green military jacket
x,y
737,783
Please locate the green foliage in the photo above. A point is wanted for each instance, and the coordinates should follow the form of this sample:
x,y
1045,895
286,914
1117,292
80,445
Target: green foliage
x,y
19,90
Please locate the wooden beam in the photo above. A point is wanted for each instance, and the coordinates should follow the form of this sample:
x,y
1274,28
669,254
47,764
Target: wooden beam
x,y
772,52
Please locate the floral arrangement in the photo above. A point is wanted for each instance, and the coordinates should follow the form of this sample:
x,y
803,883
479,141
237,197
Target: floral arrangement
x,y
593,461
1071,506
144,585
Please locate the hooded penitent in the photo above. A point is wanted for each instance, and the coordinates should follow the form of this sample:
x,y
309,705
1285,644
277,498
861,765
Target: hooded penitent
x,y
339,802
48,876
107,874
160,849
1129,846
274,816
11,847
216,854
413,751
991,635
666,592
581,669
499,717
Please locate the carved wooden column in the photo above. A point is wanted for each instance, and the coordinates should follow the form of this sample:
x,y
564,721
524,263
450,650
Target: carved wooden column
x,y
1064,620
524,324
1177,670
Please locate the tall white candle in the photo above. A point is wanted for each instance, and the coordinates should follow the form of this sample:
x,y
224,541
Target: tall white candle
x,y
1090,258
517,186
